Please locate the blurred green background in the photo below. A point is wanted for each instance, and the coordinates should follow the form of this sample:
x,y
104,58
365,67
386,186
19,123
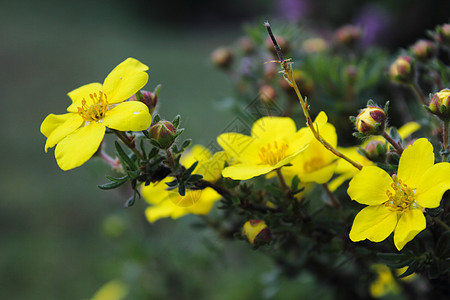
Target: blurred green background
x,y
60,236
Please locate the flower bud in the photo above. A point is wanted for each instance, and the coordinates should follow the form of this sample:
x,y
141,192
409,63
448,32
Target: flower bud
x,y
256,232
246,45
314,45
303,81
440,104
371,120
150,99
402,70
375,151
443,34
348,35
267,94
423,50
164,132
222,57
282,42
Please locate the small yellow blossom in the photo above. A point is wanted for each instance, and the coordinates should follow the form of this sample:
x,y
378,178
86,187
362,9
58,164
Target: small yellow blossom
x,y
95,106
385,282
396,204
274,143
171,204
316,163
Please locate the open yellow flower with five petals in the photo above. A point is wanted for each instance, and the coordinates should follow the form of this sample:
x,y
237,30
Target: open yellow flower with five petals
x,y
78,133
396,204
274,142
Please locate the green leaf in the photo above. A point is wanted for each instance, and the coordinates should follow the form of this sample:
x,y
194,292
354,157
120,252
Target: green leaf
x,y
157,90
156,119
394,134
181,189
189,171
443,246
120,179
130,201
153,153
155,143
194,178
186,143
111,185
123,156
411,269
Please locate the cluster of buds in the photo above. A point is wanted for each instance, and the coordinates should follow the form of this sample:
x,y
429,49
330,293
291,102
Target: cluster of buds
x,y
256,232
423,50
440,104
402,70
371,120
348,35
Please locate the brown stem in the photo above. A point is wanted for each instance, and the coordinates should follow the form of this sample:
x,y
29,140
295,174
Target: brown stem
x,y
396,145
288,73
334,201
418,91
445,146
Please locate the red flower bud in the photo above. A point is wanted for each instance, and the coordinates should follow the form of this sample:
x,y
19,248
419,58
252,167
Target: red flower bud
x,y
440,104
164,132
402,70
256,232
222,57
371,120
423,50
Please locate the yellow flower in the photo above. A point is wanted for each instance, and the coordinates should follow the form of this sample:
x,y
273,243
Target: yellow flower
x,y
166,203
113,290
316,163
385,282
347,171
396,204
78,133
274,142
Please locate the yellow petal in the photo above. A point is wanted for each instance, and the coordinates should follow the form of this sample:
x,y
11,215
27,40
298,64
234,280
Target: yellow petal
x,y
155,192
369,186
81,93
320,176
125,80
154,213
212,169
273,128
409,225
76,148
113,290
237,146
246,171
338,181
408,129
435,182
52,121
196,153
415,160
130,115
71,123
374,223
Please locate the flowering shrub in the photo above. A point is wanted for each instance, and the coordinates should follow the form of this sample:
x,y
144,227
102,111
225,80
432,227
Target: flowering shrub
x,y
278,178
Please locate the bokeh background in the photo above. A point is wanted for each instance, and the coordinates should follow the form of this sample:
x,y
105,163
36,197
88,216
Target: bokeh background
x,y
60,236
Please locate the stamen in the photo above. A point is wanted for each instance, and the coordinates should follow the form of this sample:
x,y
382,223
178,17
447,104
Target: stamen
x,y
97,110
402,199
272,156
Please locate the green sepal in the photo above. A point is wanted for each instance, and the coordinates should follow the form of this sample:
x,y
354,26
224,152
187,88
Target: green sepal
x,y
176,121
111,185
139,96
186,143
434,212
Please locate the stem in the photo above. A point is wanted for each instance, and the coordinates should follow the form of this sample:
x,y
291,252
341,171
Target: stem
x,y
130,144
288,75
416,88
285,187
396,145
114,163
441,223
334,201
445,146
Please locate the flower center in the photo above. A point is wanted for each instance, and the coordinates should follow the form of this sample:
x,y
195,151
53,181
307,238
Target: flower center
x,y
272,153
96,110
402,199
313,164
